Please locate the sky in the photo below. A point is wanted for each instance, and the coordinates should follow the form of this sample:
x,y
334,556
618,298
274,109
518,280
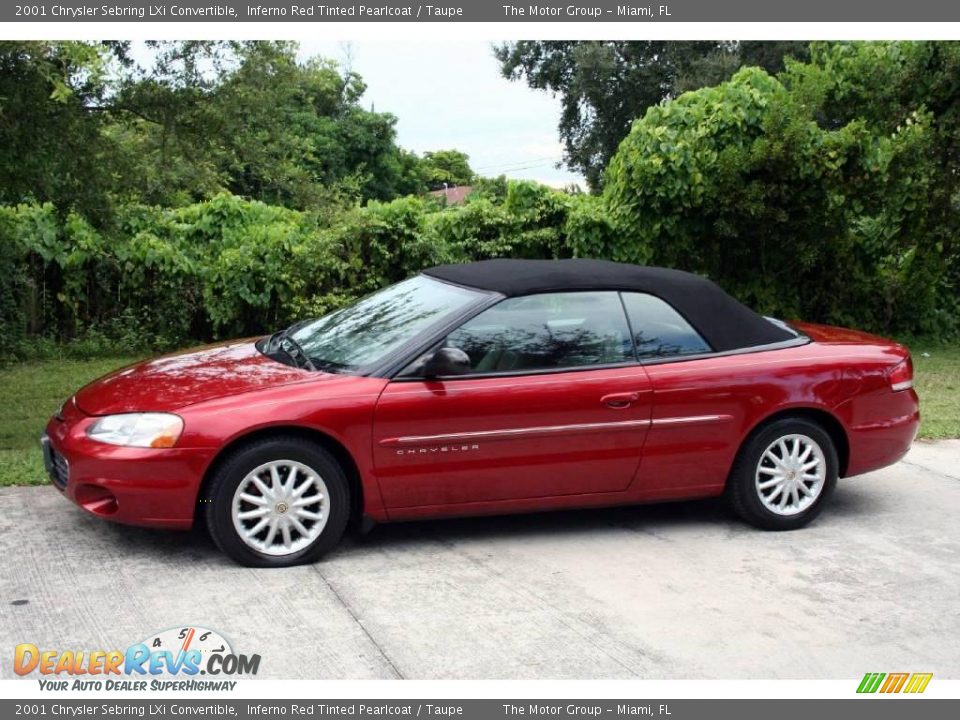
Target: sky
x,y
450,95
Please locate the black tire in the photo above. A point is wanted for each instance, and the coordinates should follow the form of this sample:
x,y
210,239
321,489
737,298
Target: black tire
x,y
742,490
235,468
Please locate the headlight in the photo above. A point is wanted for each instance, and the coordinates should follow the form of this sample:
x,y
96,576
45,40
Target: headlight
x,y
146,430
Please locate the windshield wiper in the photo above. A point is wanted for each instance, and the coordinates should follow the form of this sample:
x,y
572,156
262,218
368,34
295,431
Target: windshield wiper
x,y
281,340
329,366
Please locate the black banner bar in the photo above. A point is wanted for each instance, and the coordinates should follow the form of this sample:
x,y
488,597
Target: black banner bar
x,y
605,11
439,709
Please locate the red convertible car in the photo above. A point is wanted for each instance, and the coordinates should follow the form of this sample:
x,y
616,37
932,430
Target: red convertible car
x,y
491,387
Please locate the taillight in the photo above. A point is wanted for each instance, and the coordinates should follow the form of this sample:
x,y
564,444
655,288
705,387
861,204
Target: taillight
x,y
901,375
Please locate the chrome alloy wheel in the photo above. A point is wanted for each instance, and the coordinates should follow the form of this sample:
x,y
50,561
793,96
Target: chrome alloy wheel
x,y
791,474
280,507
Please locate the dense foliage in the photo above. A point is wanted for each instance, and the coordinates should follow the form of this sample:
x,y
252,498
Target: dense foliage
x,y
86,127
51,141
828,191
442,168
604,85
229,266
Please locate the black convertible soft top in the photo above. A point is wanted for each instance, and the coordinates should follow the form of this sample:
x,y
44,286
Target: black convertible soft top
x,y
724,322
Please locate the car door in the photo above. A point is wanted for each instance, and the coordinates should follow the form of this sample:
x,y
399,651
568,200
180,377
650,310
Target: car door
x,y
554,404
699,402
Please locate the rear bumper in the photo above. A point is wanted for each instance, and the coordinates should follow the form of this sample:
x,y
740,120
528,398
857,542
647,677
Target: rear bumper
x,y
135,486
881,427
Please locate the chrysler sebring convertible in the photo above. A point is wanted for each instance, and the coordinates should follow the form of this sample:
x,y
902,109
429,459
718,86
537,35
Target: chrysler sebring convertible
x,y
500,386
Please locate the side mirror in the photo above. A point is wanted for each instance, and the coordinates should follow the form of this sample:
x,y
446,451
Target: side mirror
x,y
446,361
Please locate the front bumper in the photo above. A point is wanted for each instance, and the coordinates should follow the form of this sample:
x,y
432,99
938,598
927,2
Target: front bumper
x,y
136,486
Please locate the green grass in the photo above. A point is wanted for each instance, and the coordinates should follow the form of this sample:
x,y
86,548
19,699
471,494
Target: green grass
x,y
31,392
937,379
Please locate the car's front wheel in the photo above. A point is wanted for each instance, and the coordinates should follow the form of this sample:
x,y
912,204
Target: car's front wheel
x,y
278,502
784,474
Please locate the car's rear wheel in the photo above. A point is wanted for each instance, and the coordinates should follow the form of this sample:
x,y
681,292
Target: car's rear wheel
x,y
784,474
278,502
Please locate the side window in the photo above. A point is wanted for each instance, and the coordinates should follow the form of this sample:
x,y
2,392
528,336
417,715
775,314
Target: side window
x,y
659,330
543,332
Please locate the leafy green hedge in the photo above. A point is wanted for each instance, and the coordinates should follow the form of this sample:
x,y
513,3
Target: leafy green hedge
x,y
828,193
231,267
741,183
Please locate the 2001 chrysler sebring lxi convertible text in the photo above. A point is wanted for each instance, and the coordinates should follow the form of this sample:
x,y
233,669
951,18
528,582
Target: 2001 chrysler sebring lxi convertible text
x,y
491,387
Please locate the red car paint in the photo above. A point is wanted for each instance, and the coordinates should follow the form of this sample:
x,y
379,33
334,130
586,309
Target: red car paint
x,y
429,448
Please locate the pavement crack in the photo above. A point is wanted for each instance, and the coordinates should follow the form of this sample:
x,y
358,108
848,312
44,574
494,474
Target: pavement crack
x,y
572,623
930,470
346,606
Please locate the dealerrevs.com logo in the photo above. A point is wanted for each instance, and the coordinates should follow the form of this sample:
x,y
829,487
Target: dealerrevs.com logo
x,y
169,660
887,683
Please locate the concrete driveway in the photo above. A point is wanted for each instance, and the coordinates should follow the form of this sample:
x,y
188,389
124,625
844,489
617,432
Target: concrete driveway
x,y
668,591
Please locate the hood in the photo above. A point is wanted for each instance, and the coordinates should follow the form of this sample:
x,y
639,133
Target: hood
x,y
173,381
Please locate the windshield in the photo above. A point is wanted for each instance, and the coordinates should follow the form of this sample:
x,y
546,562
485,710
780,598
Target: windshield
x,y
366,332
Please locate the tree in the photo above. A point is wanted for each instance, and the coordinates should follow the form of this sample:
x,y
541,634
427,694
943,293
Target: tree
x,y
739,182
251,118
443,168
50,127
84,127
892,87
605,85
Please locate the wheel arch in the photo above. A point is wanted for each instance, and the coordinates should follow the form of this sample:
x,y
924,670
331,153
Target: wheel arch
x,y
824,418
327,442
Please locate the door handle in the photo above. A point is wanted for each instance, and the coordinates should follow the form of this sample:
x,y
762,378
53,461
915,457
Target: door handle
x,y
620,400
